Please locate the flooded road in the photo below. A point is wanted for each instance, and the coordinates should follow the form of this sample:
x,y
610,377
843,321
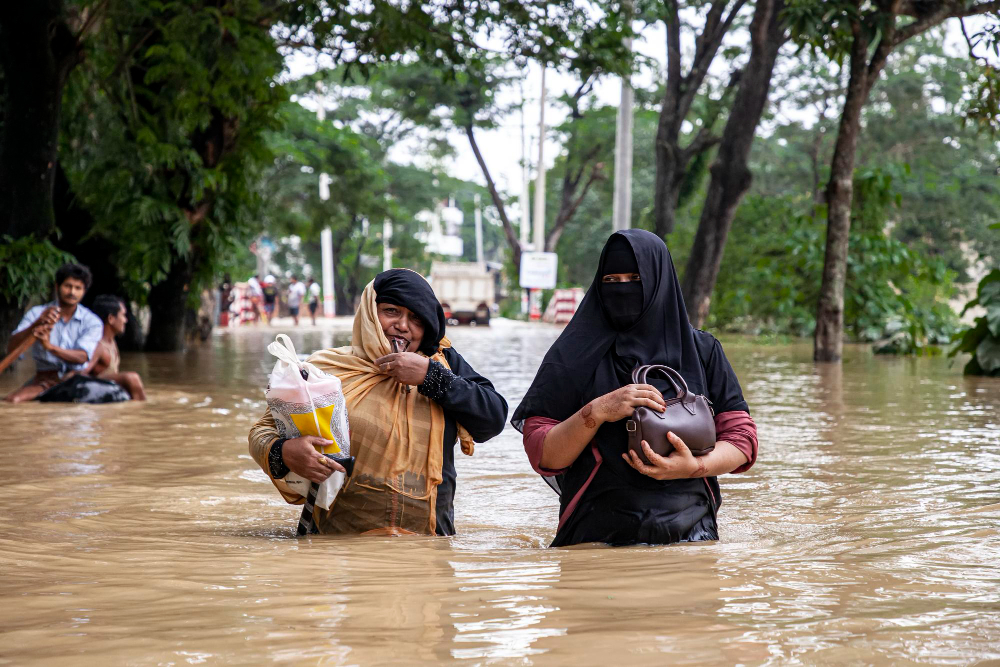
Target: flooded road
x,y
143,534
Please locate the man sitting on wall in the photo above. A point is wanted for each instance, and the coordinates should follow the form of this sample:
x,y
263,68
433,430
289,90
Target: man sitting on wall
x,y
66,334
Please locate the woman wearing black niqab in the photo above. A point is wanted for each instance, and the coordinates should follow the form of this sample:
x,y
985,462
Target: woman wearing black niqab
x,y
573,415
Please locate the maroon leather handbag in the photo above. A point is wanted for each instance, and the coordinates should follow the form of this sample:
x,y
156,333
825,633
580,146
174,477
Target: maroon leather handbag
x,y
689,416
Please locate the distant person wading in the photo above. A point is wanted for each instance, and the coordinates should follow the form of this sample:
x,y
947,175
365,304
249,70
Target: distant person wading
x,y
573,416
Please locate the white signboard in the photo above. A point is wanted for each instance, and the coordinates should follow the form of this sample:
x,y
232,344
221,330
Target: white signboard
x,y
538,270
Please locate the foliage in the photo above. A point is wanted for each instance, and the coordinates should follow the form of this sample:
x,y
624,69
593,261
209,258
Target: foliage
x,y
365,189
770,274
982,340
28,267
983,106
450,33
173,101
944,171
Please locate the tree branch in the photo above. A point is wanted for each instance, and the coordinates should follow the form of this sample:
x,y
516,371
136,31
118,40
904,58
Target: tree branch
x,y
946,10
701,142
704,57
674,76
885,44
508,229
570,206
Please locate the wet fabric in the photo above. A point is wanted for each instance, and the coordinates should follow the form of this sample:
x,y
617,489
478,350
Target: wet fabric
x,y
395,435
593,357
470,400
402,287
85,389
622,302
83,331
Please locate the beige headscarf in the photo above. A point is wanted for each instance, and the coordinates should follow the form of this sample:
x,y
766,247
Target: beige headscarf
x,y
396,436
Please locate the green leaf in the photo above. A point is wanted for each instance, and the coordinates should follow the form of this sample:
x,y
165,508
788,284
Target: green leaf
x,y
993,319
988,354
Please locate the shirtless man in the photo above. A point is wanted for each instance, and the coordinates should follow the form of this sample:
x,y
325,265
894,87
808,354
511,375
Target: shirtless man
x,y
66,334
106,358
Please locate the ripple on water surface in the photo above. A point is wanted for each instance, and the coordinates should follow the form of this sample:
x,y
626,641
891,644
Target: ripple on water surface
x,y
144,534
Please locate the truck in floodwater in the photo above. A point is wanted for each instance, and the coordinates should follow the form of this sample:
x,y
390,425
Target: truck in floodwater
x,y
466,290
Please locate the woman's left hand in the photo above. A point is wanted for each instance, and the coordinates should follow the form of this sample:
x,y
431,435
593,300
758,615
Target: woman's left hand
x,y
404,367
681,464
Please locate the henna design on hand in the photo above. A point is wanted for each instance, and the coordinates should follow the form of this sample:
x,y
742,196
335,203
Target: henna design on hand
x,y
588,420
701,471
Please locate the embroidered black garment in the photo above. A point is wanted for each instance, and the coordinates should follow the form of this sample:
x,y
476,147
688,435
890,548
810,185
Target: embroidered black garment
x,y
437,382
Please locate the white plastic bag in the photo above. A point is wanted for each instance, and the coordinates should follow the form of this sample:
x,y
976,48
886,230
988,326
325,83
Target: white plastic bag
x,y
306,401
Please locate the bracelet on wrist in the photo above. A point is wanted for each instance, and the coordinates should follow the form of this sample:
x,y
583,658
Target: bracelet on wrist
x,y
276,461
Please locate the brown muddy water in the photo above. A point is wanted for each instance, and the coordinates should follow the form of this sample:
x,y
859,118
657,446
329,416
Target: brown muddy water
x,y
143,534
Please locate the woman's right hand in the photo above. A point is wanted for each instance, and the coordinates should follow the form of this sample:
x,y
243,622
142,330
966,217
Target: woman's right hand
x,y
302,458
622,403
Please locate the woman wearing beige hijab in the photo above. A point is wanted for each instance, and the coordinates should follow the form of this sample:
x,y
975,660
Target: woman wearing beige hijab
x,y
404,477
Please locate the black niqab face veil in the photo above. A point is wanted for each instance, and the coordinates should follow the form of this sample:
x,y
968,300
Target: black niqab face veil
x,y
406,288
606,329
621,302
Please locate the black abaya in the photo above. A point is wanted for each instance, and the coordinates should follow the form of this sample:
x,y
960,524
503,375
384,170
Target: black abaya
x,y
621,505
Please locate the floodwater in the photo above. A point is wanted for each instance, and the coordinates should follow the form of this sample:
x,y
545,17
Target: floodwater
x,y
143,534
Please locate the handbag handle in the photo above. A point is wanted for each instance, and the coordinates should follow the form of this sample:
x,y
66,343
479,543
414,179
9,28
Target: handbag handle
x,y
675,378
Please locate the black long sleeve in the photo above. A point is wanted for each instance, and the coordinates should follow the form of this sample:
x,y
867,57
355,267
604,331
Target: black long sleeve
x,y
471,400
468,399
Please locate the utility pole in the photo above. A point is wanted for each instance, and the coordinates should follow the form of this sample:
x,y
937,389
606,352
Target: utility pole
x,y
535,308
326,246
621,216
326,236
478,217
525,206
386,247
539,214
525,182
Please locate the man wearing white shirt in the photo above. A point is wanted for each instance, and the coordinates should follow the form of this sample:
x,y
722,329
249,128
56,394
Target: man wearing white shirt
x,y
66,334
296,291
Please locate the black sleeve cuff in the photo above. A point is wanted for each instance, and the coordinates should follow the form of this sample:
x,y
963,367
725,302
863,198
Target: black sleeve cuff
x,y
437,383
275,461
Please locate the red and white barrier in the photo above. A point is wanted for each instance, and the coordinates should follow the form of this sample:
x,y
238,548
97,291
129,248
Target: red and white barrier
x,y
563,305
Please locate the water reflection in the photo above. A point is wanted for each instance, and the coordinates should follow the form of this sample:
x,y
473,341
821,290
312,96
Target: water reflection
x,y
145,534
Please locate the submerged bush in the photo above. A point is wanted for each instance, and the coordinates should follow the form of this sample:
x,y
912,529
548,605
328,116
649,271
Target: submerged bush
x,y
982,340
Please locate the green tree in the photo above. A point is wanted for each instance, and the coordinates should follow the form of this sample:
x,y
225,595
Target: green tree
x,y
174,98
40,44
864,34
730,173
944,168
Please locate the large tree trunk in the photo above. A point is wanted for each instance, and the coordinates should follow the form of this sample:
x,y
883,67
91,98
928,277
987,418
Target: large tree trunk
x,y
37,51
730,174
508,229
75,225
672,159
669,176
828,343
168,308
